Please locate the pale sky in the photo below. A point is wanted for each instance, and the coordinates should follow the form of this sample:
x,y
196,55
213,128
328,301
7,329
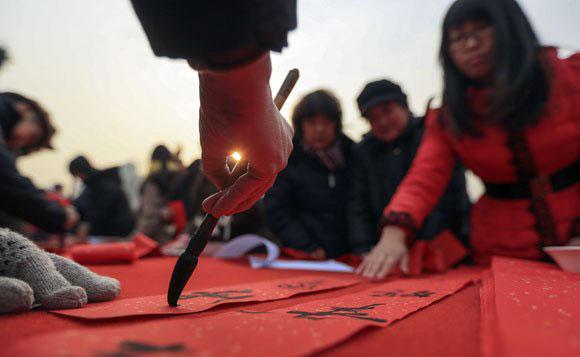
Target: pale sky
x,y
89,64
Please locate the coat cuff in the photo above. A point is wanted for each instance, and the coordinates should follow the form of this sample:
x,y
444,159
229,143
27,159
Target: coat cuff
x,y
402,220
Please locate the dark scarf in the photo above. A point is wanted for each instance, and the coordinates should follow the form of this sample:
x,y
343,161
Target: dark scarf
x,y
331,157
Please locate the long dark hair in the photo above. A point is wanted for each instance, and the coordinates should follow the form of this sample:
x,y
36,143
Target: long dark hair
x,y
320,102
521,80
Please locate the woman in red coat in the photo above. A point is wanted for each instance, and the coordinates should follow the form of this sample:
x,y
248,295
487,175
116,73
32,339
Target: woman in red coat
x,y
511,113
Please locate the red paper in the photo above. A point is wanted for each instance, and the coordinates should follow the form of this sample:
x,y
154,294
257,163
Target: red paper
x,y
201,300
299,330
116,252
444,251
537,310
145,246
107,253
488,337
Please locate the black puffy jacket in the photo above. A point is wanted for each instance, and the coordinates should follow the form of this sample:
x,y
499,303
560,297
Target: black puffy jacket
x,y
104,206
378,168
306,207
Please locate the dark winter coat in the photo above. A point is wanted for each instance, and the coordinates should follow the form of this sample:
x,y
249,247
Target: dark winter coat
x,y
306,207
104,206
378,168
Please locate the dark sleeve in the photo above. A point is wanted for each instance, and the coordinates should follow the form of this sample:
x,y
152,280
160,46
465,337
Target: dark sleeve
x,y
425,183
196,29
282,218
362,235
452,210
20,198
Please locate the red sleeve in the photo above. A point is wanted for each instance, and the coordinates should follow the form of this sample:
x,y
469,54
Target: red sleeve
x,y
426,181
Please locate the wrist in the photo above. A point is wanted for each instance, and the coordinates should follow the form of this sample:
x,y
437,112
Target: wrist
x,y
237,96
227,61
393,234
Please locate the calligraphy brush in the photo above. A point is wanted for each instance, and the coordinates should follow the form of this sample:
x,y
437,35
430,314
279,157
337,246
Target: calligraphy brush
x,y
188,260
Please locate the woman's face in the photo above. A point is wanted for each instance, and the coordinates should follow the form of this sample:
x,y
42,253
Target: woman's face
x,y
472,49
318,132
27,132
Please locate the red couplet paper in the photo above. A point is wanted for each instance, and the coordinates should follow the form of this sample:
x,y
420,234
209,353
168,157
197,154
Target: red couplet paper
x,y
116,252
107,253
201,300
488,332
537,310
298,330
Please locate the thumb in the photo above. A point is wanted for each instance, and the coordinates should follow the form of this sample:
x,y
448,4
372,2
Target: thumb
x,y
218,175
240,196
209,203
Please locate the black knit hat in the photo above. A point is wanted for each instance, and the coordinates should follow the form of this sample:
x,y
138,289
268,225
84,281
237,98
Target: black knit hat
x,y
80,165
379,92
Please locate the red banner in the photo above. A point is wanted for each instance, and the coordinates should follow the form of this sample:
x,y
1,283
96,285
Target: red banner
x,y
297,330
201,300
530,309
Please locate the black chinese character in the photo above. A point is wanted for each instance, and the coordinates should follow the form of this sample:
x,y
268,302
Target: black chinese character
x,y
393,293
421,294
253,312
135,348
352,312
220,295
386,293
307,285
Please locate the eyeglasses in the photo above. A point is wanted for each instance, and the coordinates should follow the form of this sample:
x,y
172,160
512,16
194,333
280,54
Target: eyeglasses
x,y
459,42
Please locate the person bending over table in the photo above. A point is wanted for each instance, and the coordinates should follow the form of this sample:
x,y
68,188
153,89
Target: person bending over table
x,y
25,127
381,161
511,114
28,275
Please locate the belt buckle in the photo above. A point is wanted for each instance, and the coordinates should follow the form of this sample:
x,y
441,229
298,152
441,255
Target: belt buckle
x,y
540,186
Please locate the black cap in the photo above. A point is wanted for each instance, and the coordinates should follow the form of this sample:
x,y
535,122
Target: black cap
x,y
379,92
80,165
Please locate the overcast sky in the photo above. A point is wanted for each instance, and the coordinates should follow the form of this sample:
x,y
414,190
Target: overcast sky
x,y
90,65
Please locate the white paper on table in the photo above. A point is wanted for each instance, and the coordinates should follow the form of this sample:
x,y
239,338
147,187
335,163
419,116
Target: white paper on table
x,y
237,247
241,245
327,265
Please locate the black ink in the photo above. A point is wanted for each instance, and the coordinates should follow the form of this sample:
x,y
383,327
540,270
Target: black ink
x,y
136,348
393,293
386,293
352,312
421,294
253,312
222,296
307,285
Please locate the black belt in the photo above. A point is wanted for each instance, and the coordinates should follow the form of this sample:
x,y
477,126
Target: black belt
x,y
538,186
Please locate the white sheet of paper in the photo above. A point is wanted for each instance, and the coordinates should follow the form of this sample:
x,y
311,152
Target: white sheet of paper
x,y
239,246
327,265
